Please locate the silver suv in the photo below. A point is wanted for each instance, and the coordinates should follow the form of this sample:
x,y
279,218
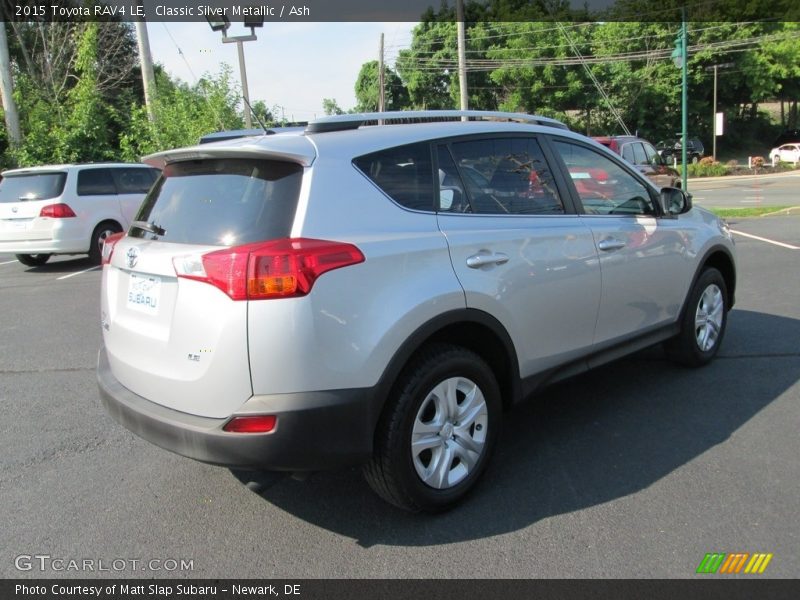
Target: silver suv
x,y
378,289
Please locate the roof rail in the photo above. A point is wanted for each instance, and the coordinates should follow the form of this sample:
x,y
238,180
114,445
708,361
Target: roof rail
x,y
354,121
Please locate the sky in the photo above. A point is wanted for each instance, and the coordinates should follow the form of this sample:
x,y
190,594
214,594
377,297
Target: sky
x,y
291,65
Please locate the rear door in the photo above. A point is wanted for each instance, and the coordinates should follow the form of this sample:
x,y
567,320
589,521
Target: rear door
x,y
182,341
518,249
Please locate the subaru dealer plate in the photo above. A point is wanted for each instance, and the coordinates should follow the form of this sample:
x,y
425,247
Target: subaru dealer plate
x,y
144,293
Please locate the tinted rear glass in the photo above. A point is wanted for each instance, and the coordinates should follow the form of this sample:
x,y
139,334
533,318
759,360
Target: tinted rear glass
x,y
134,180
404,173
222,202
96,182
38,186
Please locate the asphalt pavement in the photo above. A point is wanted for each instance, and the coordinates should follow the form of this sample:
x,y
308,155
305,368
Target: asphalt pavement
x,y
637,469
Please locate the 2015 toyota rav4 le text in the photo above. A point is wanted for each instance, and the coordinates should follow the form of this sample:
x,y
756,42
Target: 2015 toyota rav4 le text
x,y
378,292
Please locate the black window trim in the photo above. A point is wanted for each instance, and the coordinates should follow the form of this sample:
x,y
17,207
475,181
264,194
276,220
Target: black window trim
x,y
616,159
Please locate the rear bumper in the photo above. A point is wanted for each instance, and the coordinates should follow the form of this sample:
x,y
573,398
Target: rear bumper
x,y
314,431
56,236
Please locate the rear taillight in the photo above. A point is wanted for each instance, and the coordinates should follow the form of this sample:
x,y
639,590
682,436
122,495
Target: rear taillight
x,y
108,247
284,268
251,424
57,211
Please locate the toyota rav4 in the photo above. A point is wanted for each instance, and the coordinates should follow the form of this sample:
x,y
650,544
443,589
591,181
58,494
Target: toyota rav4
x,y
379,288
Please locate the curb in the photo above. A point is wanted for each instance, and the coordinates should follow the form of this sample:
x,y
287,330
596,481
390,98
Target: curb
x,y
793,173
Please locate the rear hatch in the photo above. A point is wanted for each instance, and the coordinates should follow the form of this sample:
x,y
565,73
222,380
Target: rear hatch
x,y
22,198
173,312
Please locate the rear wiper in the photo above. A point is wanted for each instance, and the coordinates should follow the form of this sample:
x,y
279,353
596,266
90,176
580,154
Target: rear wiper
x,y
149,227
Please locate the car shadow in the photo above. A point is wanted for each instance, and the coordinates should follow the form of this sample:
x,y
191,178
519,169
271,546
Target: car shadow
x,y
63,265
593,439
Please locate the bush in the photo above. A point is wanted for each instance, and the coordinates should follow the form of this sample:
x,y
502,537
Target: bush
x,y
757,162
704,169
708,161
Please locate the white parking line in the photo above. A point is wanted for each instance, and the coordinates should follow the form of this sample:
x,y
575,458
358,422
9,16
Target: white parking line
x,y
78,273
8,262
761,239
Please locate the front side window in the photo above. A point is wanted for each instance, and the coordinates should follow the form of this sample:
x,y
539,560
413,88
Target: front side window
x,y
604,187
506,176
652,156
404,173
95,182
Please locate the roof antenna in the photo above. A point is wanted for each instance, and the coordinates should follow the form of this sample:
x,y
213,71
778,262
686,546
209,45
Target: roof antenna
x,y
259,121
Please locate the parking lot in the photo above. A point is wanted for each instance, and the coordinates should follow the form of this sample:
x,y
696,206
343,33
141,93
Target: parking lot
x,y
635,470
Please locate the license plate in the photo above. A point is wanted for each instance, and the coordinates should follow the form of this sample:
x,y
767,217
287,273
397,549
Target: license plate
x,y
144,293
16,224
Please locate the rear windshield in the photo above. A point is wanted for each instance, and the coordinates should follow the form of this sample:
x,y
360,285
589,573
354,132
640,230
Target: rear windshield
x,y
221,202
32,186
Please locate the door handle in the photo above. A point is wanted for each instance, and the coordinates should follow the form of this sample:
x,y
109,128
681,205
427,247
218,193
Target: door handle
x,y
610,244
476,261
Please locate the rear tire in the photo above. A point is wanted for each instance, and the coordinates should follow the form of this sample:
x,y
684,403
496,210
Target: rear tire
x,y
437,432
100,233
33,260
704,321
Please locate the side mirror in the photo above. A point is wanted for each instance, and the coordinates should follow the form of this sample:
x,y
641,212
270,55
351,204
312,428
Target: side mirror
x,y
675,201
446,198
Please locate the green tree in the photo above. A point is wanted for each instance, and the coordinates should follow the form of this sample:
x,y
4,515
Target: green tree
x,y
331,107
367,89
183,114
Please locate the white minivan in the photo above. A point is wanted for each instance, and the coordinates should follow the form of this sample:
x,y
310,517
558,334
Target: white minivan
x,y
68,209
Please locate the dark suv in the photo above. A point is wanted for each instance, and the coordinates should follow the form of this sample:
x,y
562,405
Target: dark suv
x,y
644,157
672,147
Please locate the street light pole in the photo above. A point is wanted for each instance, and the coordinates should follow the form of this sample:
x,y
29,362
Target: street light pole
x,y
248,121
223,25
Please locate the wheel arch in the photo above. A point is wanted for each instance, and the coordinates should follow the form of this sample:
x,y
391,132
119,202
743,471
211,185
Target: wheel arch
x,y
721,259
472,329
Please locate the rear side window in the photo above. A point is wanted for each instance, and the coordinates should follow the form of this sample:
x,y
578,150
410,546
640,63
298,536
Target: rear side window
x,y
222,202
95,182
506,176
35,186
403,173
134,180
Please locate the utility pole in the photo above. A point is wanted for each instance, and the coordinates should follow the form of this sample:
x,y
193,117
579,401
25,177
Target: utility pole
x,y
716,132
462,60
381,82
6,87
146,62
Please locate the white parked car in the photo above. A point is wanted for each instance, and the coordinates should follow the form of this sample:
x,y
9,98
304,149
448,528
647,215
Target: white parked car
x,y
68,209
787,153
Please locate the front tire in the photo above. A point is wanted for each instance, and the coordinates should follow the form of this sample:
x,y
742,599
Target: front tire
x,y
438,430
33,260
99,235
704,321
